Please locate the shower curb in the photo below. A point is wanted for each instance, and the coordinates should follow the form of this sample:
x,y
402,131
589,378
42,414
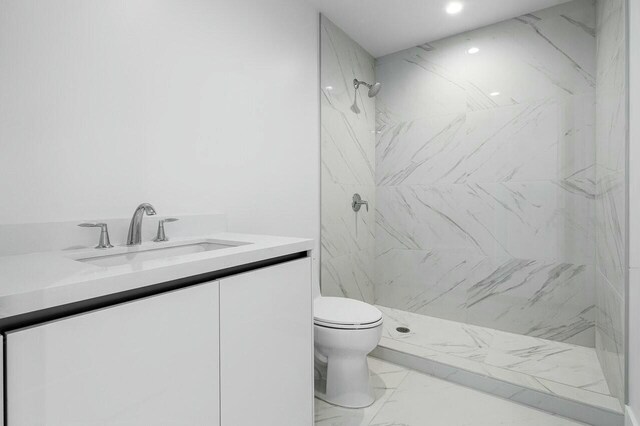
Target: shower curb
x,y
553,404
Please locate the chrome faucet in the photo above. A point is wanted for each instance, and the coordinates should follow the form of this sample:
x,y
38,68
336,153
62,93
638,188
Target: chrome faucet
x,y
104,242
358,202
135,228
162,236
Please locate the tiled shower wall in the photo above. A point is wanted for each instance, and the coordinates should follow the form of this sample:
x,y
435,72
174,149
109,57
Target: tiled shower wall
x,y
610,194
500,177
348,159
485,176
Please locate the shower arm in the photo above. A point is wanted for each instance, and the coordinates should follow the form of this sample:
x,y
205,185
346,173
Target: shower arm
x,y
357,83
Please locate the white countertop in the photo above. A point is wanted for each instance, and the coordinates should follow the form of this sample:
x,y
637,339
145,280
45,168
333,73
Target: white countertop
x,y
37,281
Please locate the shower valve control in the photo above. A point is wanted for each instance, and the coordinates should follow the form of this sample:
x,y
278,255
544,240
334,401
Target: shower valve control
x,y
358,202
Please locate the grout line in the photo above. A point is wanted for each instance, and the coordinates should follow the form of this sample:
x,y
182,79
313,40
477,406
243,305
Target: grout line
x,y
393,392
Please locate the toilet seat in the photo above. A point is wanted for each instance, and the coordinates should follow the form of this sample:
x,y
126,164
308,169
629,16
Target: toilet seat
x,y
343,313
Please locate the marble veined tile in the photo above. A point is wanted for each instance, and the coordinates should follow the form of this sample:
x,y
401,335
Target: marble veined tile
x,y
422,399
551,139
348,276
592,398
572,365
394,386
611,116
344,231
541,299
487,177
610,130
611,39
610,323
342,61
385,378
569,364
456,369
566,370
348,149
347,167
439,335
523,59
610,229
581,13
534,220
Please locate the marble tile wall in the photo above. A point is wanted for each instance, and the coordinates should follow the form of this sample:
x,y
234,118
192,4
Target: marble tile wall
x,y
348,164
610,199
485,173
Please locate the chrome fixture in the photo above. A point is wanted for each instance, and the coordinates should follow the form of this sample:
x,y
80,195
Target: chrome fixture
x,y
373,88
104,242
355,107
373,91
134,237
358,202
161,235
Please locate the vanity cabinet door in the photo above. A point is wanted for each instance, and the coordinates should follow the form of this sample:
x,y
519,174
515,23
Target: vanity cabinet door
x,y
152,361
266,347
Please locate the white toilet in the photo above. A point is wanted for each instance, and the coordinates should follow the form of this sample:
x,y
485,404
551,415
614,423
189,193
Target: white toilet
x,y
345,331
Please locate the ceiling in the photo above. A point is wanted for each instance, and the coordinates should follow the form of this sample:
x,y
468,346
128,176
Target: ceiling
x,y
387,26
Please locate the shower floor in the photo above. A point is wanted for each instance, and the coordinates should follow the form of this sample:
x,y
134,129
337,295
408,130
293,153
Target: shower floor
x,y
561,369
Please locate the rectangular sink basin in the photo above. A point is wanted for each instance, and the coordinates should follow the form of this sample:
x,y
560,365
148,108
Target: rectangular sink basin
x,y
143,255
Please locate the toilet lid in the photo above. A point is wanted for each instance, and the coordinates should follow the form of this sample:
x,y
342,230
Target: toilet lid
x,y
340,311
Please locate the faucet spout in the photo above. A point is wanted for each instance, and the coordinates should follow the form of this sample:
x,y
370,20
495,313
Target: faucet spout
x,y
134,237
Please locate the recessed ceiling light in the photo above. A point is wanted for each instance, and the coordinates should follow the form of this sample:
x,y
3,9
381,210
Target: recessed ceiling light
x,y
454,7
473,50
494,93
329,87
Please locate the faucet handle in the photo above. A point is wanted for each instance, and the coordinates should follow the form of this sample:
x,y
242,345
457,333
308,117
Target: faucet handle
x,y
161,236
358,202
104,242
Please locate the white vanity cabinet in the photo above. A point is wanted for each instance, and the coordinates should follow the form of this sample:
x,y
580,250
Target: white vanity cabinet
x,y
152,361
237,351
266,346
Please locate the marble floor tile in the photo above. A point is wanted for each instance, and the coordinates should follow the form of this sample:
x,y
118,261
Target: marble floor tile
x,y
409,398
573,365
450,337
570,371
421,399
385,378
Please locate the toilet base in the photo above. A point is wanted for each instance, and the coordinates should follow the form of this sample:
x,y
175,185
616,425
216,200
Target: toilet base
x,y
344,381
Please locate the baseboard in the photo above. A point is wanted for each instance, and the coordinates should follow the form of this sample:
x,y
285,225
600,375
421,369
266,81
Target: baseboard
x,y
629,417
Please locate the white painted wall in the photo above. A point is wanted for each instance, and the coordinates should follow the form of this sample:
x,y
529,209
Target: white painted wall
x,y
196,106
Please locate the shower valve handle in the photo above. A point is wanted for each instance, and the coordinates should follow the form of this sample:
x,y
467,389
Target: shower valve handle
x,y
358,202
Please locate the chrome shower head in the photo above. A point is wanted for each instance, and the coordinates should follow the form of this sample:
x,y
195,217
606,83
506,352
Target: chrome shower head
x,y
373,88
